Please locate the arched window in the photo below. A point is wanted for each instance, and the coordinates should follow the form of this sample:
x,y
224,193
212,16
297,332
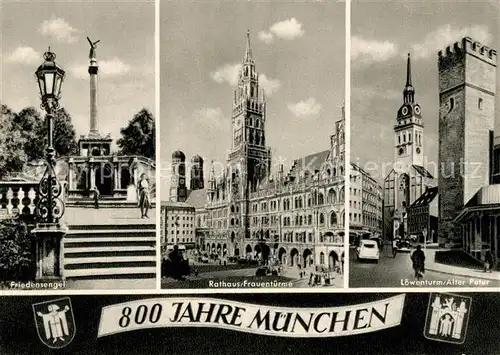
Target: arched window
x,y
333,219
322,258
320,199
321,219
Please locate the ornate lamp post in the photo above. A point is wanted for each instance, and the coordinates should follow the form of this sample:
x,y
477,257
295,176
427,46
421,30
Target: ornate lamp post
x,y
50,78
50,207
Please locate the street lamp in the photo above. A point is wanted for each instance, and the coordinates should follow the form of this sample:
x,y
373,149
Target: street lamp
x,y
50,76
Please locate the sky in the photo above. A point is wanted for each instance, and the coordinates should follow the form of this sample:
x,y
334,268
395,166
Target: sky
x,y
382,36
299,51
125,53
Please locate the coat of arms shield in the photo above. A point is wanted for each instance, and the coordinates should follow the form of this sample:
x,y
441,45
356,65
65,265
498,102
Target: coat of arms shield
x,y
55,322
447,317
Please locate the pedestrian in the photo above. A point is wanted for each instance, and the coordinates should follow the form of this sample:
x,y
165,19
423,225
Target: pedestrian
x,y
144,202
394,248
96,195
488,261
418,259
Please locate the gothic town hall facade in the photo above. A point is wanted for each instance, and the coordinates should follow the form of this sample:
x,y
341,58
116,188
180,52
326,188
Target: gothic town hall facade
x,y
297,216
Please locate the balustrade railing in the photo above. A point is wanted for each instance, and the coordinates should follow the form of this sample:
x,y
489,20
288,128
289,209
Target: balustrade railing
x,y
18,198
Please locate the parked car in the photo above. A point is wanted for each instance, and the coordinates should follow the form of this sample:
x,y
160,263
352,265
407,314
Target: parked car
x,y
403,246
368,250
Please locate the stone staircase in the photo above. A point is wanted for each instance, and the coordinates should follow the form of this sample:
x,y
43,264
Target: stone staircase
x,y
109,243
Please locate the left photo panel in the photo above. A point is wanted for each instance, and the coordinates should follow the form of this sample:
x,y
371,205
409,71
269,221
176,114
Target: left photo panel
x,y
77,145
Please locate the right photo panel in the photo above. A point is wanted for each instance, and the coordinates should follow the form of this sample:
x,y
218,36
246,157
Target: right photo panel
x,y
424,184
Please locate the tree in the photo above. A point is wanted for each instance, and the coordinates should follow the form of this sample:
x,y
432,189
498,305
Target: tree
x,y
138,138
33,127
16,253
12,155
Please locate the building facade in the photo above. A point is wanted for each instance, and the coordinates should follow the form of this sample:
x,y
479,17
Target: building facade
x,y
365,202
177,226
296,217
467,86
409,179
423,216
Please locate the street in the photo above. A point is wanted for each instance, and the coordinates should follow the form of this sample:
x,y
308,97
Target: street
x,y
398,272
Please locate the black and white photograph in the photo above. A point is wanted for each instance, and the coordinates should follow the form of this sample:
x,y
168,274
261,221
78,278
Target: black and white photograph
x,y
253,144
77,145
425,193
257,323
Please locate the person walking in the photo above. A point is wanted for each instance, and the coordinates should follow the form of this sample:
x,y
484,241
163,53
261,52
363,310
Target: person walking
x,y
95,196
144,203
418,259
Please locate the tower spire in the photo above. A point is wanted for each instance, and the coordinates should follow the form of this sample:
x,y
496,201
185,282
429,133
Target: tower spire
x,y
408,71
409,91
248,49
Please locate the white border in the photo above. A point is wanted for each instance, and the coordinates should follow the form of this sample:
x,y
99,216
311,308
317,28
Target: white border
x,y
157,144
347,139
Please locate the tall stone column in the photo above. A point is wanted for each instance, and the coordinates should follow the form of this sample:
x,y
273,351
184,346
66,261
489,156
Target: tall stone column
x,y
93,69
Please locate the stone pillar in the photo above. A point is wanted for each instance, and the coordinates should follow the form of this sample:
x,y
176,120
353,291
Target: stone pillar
x,y
71,174
92,177
119,177
49,251
115,176
495,239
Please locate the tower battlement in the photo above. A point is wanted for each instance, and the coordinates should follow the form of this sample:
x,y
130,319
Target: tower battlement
x,y
467,45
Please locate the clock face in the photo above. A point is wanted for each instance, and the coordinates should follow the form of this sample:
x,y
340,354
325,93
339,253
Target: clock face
x,y
405,110
174,179
417,110
418,150
401,151
181,181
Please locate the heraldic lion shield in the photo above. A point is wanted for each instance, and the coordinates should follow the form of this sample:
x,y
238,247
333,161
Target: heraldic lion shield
x,y
55,322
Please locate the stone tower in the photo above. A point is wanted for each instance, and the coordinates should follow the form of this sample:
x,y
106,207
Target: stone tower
x,y
467,84
409,130
249,160
196,178
178,191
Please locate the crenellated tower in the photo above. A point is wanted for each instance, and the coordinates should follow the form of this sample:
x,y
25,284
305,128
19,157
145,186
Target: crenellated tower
x,y
467,86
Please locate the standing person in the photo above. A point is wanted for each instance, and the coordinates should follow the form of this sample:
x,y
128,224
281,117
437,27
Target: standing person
x,y
488,261
143,186
96,195
394,248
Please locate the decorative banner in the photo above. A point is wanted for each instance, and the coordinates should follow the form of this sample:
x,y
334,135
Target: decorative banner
x,y
251,318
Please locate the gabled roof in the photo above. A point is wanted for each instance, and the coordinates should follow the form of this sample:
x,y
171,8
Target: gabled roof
x,y
312,162
197,198
426,198
422,171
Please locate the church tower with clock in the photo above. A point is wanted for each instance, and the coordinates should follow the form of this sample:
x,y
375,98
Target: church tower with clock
x,y
249,160
409,179
409,130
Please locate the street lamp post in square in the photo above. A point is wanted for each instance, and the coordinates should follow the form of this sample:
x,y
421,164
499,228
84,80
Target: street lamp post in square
x,y
50,207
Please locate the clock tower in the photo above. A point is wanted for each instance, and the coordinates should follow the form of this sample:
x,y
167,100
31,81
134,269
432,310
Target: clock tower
x,y
249,160
408,132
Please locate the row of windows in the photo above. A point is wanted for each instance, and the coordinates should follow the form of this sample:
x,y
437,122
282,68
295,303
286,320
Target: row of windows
x,y
418,138
178,232
183,240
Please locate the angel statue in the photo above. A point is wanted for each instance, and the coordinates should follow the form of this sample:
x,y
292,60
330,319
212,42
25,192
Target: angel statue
x,y
92,48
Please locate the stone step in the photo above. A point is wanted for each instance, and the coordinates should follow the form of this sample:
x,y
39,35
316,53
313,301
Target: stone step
x,y
110,272
128,228
122,233
118,239
139,248
112,259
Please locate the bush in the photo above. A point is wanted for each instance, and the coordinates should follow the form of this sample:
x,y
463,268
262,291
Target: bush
x,y
17,259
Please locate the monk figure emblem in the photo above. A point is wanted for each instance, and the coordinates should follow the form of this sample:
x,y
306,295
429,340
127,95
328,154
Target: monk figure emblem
x,y
55,322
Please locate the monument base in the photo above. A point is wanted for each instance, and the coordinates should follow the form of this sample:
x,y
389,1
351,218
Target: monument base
x,y
49,251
